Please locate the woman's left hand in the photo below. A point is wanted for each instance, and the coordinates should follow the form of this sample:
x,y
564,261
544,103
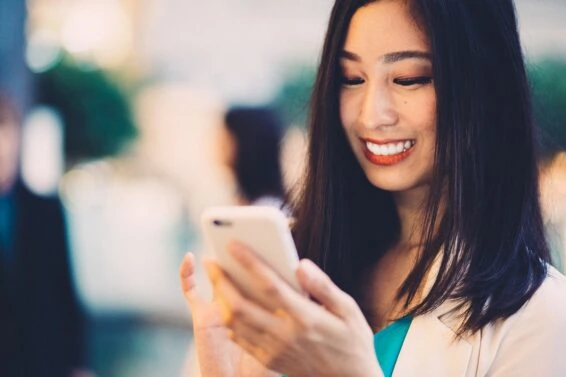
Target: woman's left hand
x,y
299,337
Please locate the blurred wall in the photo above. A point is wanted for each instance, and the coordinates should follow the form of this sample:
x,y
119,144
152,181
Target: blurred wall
x,y
241,49
542,27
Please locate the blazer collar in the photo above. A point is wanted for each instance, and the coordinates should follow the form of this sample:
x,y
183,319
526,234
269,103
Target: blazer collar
x,y
431,347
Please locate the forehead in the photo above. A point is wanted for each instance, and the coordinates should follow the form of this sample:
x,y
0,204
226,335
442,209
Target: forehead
x,y
384,26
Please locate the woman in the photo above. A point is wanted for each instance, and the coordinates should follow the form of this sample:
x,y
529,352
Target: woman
x,y
420,204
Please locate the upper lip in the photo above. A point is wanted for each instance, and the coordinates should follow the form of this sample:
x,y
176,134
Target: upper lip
x,y
385,141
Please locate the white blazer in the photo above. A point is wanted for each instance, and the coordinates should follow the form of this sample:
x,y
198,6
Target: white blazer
x,y
530,343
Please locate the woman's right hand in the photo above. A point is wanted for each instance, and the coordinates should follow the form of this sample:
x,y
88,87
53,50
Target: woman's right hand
x,y
218,356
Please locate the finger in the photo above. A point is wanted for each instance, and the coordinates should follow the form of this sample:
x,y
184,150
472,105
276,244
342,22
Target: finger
x,y
317,284
279,296
271,291
219,286
186,273
261,345
239,312
226,294
188,280
282,298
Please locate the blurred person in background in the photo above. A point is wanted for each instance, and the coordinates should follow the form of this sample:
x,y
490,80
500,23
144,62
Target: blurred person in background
x,y
553,200
548,79
41,321
250,147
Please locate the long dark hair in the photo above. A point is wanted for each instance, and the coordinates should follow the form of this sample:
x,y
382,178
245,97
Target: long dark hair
x,y
258,133
490,234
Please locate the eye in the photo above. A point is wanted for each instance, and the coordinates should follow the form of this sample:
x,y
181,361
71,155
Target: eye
x,y
351,81
421,80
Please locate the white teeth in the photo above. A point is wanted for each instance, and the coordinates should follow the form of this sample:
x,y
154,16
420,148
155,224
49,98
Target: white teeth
x,y
389,149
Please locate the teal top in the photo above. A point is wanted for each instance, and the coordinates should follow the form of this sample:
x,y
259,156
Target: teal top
x,y
388,343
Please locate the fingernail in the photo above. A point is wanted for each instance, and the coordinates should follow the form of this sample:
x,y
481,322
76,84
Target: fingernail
x,y
308,270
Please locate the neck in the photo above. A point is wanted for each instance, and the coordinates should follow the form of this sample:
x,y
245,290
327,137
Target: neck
x,y
411,207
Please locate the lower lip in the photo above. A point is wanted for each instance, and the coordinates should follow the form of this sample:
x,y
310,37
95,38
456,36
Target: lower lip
x,y
387,160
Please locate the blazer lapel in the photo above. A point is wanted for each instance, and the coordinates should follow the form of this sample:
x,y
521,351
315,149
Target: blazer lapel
x,y
431,348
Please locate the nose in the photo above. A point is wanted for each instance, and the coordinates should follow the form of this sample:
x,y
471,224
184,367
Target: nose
x,y
378,108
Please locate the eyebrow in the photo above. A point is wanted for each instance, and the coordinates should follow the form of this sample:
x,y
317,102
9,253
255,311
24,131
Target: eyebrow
x,y
391,57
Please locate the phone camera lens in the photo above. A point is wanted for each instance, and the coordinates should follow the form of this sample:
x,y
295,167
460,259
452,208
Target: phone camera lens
x,y
221,223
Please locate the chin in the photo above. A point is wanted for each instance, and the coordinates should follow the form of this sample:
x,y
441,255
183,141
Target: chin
x,y
389,186
393,181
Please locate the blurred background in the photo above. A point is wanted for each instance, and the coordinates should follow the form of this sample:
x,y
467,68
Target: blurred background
x,y
122,102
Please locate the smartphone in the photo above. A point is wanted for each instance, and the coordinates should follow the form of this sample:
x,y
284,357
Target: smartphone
x,y
264,229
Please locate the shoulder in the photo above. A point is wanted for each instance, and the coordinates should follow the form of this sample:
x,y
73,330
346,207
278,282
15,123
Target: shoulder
x,y
529,343
548,305
532,341
555,282
542,319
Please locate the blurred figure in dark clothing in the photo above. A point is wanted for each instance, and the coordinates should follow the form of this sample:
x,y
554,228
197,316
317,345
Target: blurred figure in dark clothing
x,y
41,323
250,146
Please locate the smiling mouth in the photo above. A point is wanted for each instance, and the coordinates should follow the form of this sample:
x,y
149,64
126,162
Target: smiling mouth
x,y
388,153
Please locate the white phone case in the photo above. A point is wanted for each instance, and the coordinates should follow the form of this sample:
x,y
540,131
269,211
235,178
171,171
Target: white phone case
x,y
264,229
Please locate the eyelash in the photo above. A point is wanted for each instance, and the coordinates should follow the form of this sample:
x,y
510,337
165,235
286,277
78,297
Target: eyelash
x,y
421,80
351,82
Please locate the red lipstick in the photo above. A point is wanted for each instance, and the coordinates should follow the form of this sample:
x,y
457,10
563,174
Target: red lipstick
x,y
385,160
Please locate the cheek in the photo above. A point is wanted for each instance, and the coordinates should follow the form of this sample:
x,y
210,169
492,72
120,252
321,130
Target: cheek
x,y
347,112
422,111
225,147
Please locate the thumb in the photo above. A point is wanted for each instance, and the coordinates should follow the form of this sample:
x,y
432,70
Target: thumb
x,y
319,286
188,281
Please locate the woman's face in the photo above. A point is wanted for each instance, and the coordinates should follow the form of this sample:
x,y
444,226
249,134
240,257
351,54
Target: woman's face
x,y
387,99
225,147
